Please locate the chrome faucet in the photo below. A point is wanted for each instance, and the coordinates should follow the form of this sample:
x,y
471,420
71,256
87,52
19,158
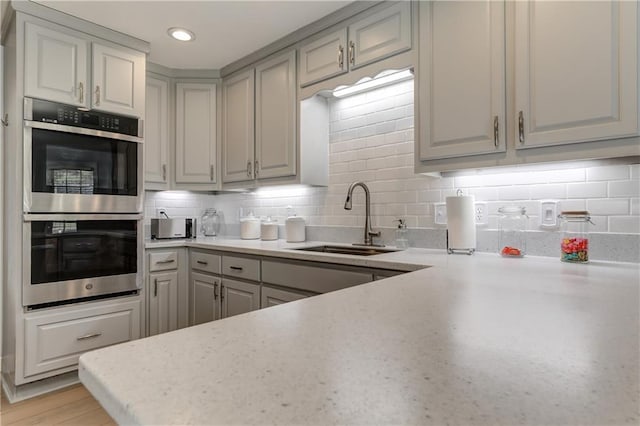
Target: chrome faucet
x,y
368,232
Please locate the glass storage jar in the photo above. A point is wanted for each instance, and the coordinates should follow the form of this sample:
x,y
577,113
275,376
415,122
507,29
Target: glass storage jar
x,y
210,223
575,236
512,231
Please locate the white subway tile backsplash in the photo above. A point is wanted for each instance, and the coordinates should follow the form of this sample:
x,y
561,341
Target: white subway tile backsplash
x,y
520,192
608,206
587,190
548,191
617,172
625,188
624,224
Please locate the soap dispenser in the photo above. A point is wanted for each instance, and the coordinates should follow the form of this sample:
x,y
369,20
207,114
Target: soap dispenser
x,y
401,235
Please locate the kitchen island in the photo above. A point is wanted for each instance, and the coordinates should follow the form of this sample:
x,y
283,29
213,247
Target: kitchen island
x,y
469,340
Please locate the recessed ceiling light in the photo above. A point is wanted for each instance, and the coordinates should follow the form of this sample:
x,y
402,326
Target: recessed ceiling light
x,y
181,34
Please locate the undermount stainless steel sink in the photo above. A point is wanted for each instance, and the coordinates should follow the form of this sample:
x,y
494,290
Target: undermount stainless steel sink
x,y
355,250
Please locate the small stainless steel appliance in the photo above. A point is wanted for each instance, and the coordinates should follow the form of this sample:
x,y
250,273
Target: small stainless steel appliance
x,y
173,228
79,161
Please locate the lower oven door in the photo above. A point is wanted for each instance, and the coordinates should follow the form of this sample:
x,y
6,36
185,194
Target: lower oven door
x,y
69,257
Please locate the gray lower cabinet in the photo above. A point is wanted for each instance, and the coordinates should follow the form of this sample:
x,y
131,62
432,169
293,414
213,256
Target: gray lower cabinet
x,y
206,300
166,290
163,302
238,297
274,296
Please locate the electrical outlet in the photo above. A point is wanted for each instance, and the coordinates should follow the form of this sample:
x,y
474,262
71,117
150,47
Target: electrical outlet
x,y
440,213
481,213
548,214
161,212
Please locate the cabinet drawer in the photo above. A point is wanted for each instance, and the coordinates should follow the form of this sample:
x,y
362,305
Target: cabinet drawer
x,y
163,261
206,262
56,340
313,277
241,267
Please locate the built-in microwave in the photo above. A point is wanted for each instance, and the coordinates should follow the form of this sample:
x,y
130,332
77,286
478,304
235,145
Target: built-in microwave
x,y
79,161
73,257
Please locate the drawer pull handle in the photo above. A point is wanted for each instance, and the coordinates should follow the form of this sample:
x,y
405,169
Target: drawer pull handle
x,y
496,131
161,262
202,262
155,288
521,127
215,291
221,292
89,336
236,268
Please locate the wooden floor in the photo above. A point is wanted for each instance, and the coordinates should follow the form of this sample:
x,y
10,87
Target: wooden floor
x,y
70,406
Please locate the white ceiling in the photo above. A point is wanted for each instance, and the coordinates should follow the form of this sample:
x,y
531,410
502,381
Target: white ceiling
x,y
225,30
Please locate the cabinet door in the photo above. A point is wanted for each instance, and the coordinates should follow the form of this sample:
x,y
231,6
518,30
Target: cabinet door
x,y
238,297
380,35
238,127
276,117
462,79
118,80
156,133
195,133
205,302
163,302
273,296
56,66
576,71
324,58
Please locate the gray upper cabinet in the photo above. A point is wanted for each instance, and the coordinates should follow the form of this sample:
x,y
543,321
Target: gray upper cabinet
x,y
380,35
259,130
57,69
118,80
238,127
461,79
377,36
324,58
275,120
56,66
156,134
576,72
196,133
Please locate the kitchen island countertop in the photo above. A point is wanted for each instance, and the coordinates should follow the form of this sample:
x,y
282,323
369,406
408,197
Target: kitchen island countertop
x,y
470,340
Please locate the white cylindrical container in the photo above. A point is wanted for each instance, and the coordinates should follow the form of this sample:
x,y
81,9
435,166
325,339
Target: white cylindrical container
x,y
269,230
250,227
295,229
461,224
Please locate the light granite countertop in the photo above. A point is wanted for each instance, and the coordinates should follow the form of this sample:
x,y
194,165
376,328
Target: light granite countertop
x,y
472,340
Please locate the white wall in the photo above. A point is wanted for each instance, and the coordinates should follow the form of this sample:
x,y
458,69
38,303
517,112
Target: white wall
x,y
371,140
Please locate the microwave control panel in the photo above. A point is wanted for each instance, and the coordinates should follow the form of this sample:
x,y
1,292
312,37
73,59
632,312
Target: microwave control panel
x,y
68,115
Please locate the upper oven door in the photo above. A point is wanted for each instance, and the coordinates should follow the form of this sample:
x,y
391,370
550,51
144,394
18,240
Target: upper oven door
x,y
76,170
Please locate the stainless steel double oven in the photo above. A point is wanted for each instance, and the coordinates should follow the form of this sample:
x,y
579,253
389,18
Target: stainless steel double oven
x,y
82,204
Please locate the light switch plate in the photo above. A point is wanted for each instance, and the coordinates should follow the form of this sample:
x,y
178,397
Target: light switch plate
x,y
548,214
440,213
481,213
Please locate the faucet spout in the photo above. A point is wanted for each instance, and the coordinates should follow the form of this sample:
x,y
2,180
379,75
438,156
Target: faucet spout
x,y
368,232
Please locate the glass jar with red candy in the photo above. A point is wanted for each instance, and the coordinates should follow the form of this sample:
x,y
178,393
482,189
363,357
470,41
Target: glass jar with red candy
x,y
574,247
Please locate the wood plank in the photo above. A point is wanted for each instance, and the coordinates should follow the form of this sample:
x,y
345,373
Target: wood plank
x,y
72,405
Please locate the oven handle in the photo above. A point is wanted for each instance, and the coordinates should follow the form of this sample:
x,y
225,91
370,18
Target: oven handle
x,y
28,217
81,131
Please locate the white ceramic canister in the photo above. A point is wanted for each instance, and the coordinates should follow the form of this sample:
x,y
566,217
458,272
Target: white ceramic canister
x,y
295,229
269,230
250,227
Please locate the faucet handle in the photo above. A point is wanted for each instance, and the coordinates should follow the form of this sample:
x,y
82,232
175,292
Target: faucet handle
x,y
374,234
